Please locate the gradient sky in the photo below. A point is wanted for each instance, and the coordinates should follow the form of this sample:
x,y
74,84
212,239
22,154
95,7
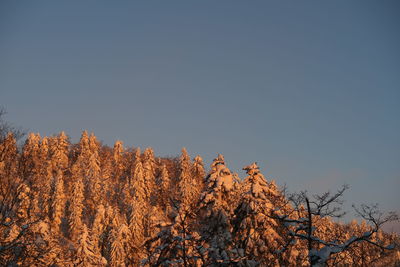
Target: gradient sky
x,y
309,90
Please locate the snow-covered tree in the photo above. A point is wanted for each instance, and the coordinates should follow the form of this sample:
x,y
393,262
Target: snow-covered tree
x,y
164,183
140,188
59,198
217,204
24,201
30,158
84,146
255,230
76,204
187,185
46,244
320,251
198,172
118,160
119,244
178,243
86,254
8,157
149,171
137,227
94,181
44,178
221,187
59,151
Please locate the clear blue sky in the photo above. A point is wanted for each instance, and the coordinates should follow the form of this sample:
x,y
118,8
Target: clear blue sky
x,y
309,90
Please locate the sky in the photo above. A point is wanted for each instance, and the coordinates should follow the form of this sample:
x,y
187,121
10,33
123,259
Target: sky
x,y
309,90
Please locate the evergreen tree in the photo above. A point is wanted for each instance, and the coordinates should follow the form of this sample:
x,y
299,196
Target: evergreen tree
x,y
137,225
221,187
139,204
44,178
93,176
149,170
187,192
30,153
24,202
58,204
118,161
46,244
8,158
59,152
164,189
86,253
76,204
119,241
84,146
217,203
254,229
199,173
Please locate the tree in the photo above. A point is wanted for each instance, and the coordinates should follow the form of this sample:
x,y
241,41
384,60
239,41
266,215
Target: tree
x,y
164,189
187,185
198,173
6,128
119,241
118,160
178,243
76,206
86,253
308,210
16,226
58,203
254,230
149,170
217,204
59,147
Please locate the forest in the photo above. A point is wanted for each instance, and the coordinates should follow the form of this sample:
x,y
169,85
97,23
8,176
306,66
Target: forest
x,y
89,204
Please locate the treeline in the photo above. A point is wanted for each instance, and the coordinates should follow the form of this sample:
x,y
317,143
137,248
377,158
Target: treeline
x,y
88,204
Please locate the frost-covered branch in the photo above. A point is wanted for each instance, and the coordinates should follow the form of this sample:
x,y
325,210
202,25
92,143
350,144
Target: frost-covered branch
x,y
328,205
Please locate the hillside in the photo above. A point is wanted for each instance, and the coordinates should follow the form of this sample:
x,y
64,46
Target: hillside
x,y
88,204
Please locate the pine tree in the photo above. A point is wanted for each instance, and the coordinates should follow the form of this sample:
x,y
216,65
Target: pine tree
x,y
137,225
30,153
217,203
84,146
164,189
99,222
198,173
187,192
254,229
139,185
149,170
58,204
86,253
8,158
220,187
139,205
118,161
177,243
59,152
24,202
93,176
76,204
46,244
44,178
119,241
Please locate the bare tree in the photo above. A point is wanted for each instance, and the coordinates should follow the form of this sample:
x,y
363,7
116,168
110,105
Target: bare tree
x,y
300,224
6,127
